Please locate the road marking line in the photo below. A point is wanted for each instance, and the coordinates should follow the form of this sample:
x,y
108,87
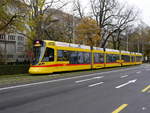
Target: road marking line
x,y
145,89
124,76
138,72
88,79
129,82
95,84
54,75
144,108
120,108
57,80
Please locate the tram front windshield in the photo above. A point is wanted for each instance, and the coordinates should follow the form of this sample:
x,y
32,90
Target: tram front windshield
x,y
38,53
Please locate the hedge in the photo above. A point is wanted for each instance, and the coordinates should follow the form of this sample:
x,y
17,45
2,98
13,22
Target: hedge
x,y
13,69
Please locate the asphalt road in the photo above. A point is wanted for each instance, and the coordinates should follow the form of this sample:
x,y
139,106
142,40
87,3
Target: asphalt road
x,y
119,91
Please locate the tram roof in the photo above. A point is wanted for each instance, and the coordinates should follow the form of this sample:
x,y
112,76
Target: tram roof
x,y
64,44
133,52
111,50
138,53
125,52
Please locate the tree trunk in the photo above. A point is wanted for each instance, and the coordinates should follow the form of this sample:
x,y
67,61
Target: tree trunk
x,y
114,42
118,40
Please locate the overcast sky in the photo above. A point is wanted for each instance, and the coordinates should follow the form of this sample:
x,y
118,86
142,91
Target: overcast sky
x,y
142,5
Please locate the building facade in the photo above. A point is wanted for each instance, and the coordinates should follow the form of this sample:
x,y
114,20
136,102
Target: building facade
x,y
12,48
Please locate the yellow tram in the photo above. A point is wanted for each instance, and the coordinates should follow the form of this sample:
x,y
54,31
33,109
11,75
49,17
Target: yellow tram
x,y
53,56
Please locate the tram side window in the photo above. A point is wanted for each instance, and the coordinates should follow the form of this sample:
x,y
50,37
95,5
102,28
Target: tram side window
x,y
132,58
111,58
63,55
98,58
87,57
101,58
108,58
126,58
115,58
48,55
73,57
80,58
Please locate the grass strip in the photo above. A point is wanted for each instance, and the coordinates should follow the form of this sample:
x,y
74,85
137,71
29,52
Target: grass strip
x,y
6,80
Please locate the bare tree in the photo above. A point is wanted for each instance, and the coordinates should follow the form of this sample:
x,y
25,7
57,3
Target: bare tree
x,y
111,18
139,39
124,20
103,11
79,8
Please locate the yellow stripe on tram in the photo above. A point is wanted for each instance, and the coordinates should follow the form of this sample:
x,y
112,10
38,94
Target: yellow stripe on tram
x,y
120,108
145,89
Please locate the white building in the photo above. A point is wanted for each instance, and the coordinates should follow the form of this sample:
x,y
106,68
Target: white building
x,y
12,48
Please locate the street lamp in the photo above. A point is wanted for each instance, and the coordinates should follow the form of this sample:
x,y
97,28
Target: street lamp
x,y
73,31
73,22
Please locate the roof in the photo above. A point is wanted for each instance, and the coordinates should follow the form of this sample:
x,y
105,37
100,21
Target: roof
x,y
64,44
111,50
138,53
125,52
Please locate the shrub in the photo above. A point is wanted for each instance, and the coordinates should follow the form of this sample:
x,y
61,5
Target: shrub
x,y
13,69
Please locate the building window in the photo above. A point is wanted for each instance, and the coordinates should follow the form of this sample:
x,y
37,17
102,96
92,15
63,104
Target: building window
x,y
2,37
20,49
9,56
20,38
11,37
1,56
20,44
21,56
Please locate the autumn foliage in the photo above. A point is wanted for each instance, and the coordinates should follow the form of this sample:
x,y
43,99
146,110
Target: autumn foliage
x,y
87,32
